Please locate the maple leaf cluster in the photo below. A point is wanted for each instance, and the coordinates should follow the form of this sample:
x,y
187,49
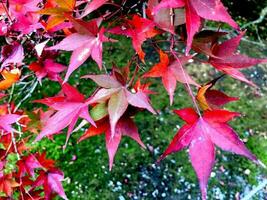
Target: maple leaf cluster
x,y
29,175
43,30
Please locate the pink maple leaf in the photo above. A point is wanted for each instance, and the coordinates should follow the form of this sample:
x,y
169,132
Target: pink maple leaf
x,y
118,97
51,182
12,54
69,108
201,134
7,120
86,42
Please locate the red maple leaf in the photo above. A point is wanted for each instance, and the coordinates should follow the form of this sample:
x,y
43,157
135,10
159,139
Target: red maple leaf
x,y
45,162
209,99
194,11
8,146
139,29
170,72
48,68
204,40
69,108
7,183
28,164
225,59
201,134
124,127
26,194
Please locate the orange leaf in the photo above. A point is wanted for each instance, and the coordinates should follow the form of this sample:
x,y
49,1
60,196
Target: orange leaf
x,y
209,99
59,10
54,21
10,77
66,4
201,97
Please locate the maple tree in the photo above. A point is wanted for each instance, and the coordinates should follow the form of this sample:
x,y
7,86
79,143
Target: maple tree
x,y
38,32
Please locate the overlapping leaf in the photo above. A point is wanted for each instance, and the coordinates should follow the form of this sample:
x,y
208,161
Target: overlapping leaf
x,y
51,182
210,99
124,127
12,55
163,18
48,68
118,96
170,72
195,10
204,40
58,10
139,29
225,59
28,164
23,13
69,108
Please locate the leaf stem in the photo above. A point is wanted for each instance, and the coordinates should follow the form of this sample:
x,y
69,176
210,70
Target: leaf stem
x,y
255,190
14,144
185,77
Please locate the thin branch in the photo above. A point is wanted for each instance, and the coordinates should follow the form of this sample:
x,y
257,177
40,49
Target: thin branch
x,y
259,20
14,144
27,96
11,93
185,77
255,190
243,39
